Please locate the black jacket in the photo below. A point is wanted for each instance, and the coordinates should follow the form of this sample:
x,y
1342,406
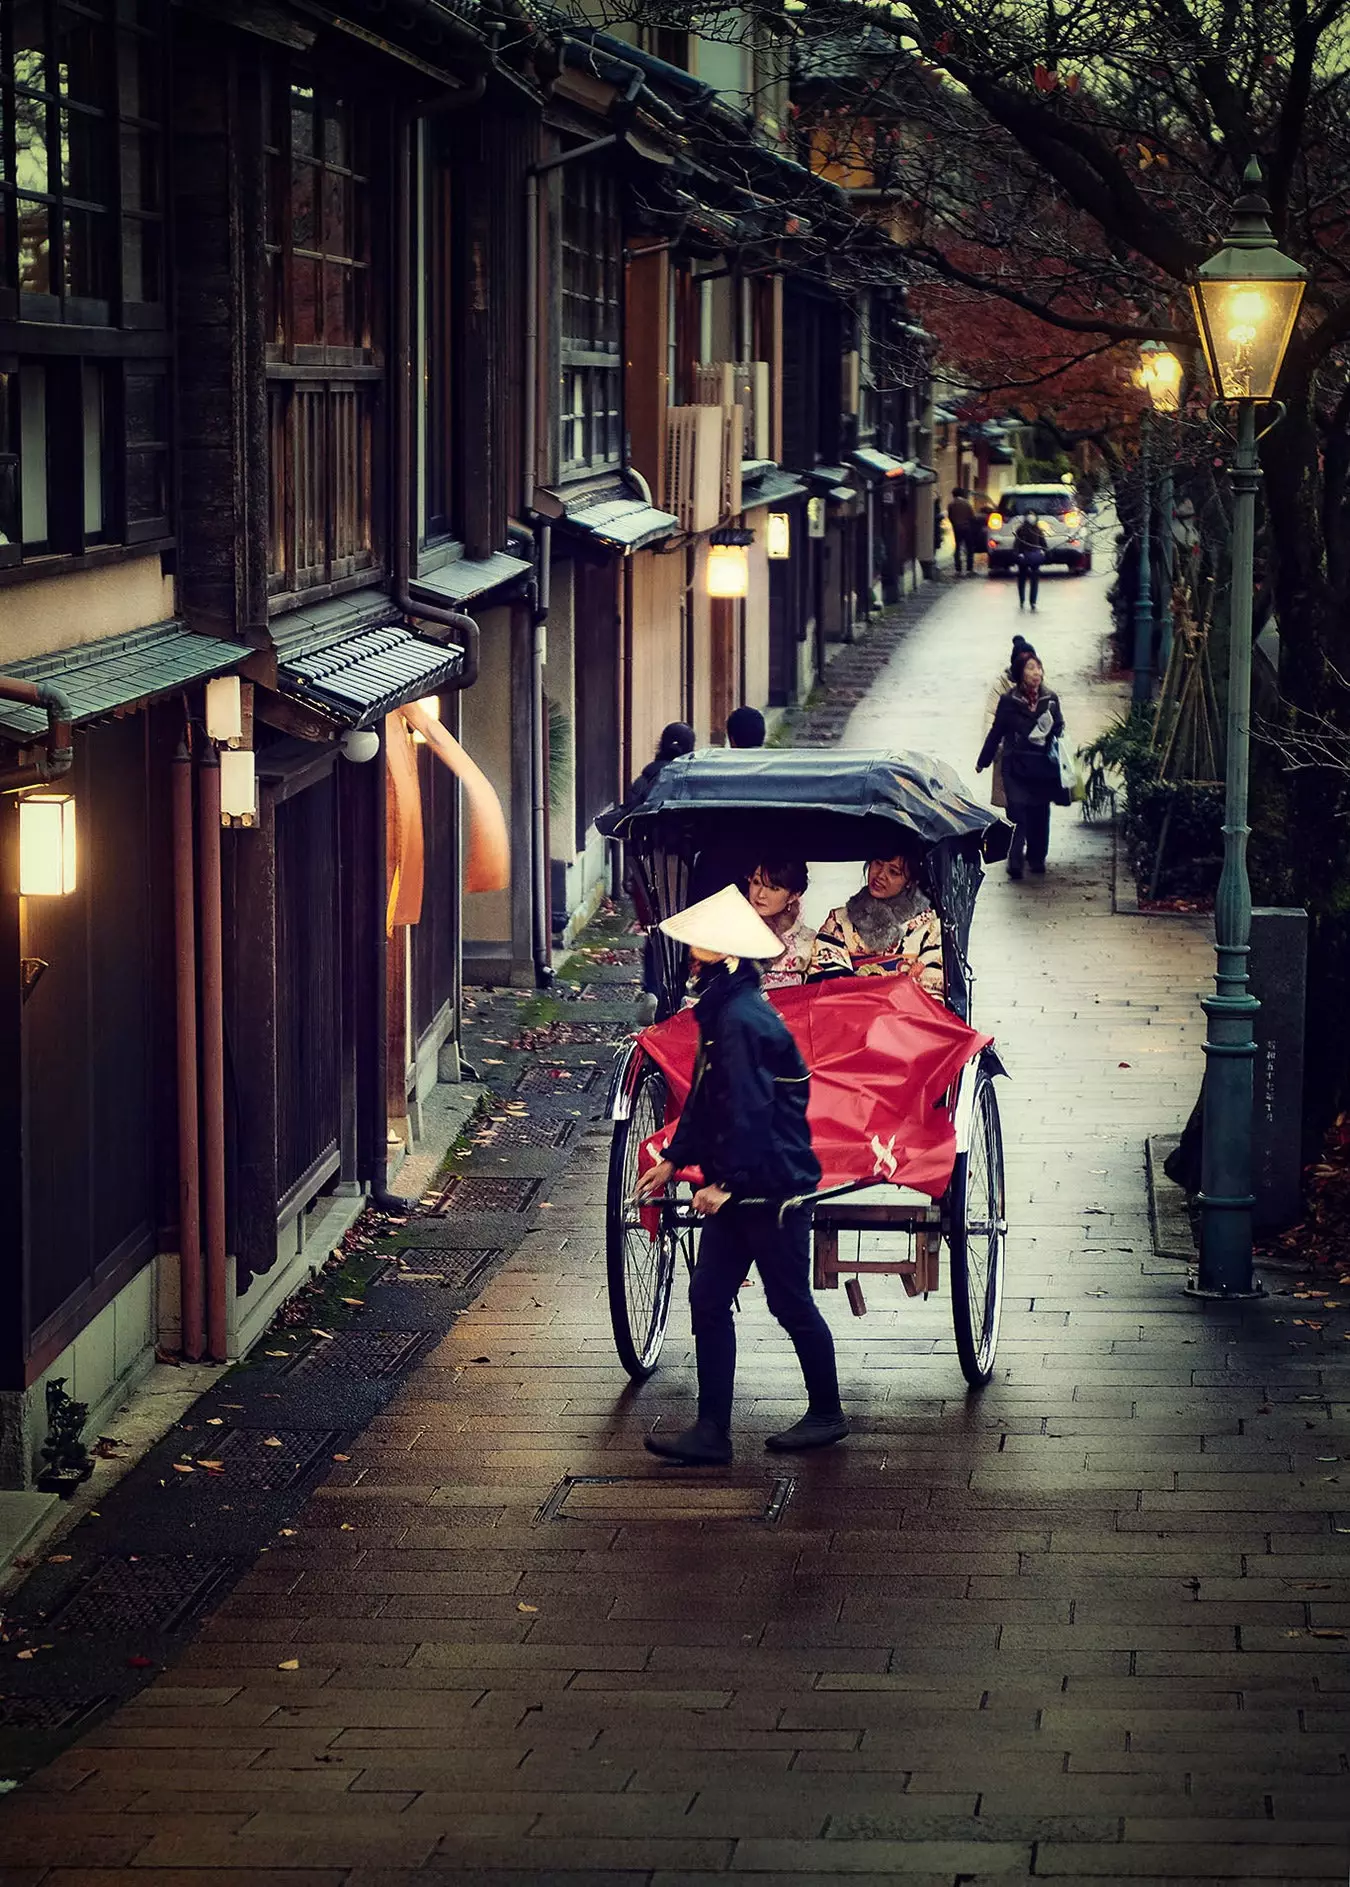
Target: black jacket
x,y
1029,770
744,1122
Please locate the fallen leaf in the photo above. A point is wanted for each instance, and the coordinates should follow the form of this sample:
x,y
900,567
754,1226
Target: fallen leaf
x,y
58,1559
288,1533
276,1352
327,1335
24,1656
289,1664
215,1421
342,1457
353,1300
181,1467
1122,1064
346,1527
522,1607
213,1467
270,1441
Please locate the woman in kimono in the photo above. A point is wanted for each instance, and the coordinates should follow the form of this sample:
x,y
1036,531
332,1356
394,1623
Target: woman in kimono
x,y
775,892
888,925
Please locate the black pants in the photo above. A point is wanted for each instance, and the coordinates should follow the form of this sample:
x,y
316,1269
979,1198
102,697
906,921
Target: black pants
x,y
731,1241
1031,832
965,541
1029,575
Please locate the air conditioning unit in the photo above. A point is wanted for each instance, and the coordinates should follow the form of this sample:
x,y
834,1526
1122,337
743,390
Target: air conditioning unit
x,y
695,480
743,383
850,386
733,450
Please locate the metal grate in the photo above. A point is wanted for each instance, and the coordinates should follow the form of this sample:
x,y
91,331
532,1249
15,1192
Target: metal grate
x,y
48,1713
157,1592
525,1133
552,1078
639,1499
468,1193
365,1355
249,1462
461,1270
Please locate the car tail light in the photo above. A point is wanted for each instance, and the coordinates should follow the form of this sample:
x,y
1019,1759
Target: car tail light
x,y
995,520
1073,519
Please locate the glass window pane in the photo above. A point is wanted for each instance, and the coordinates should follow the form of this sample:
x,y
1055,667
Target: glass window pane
x,y
84,171
30,44
35,255
139,92
140,170
33,453
86,255
142,252
302,121
304,231
305,304
337,133
147,497
30,144
338,310
81,59
93,452
146,421
335,220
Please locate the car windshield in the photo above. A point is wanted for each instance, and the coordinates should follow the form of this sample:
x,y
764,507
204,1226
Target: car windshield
x,y
1052,504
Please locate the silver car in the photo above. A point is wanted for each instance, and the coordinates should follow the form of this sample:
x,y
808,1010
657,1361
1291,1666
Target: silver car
x,y
1057,511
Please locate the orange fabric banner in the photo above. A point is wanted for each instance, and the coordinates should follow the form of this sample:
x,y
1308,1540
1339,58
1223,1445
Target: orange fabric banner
x,y
403,827
487,858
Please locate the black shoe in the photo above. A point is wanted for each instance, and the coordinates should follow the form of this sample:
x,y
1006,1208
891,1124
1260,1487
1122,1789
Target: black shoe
x,y
1015,873
813,1431
702,1446
1037,870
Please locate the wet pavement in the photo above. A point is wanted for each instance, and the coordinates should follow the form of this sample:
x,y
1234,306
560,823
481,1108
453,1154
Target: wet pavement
x,y
1089,1625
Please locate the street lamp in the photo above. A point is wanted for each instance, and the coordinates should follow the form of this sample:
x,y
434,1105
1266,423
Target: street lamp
x,y
1160,374
1246,302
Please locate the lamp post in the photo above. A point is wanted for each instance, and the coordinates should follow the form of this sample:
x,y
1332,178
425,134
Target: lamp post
x,y
1246,301
1142,691
1160,375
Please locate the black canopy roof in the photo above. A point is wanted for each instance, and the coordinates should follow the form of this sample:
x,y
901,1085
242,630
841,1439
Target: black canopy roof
x,y
827,801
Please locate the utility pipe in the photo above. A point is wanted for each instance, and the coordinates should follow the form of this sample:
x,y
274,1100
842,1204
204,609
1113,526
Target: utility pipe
x,y
213,1054
59,755
1143,597
185,990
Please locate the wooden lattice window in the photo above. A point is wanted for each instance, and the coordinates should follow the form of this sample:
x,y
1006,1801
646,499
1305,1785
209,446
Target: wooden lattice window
x,y
591,357
324,362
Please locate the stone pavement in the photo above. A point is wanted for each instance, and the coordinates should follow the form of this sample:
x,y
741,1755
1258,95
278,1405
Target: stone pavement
x,y
1089,1626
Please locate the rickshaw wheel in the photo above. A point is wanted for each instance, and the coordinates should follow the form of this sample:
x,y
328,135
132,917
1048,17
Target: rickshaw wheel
x,y
976,1234
640,1269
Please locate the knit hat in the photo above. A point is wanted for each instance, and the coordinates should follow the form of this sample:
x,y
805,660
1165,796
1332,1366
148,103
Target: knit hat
x,y
726,923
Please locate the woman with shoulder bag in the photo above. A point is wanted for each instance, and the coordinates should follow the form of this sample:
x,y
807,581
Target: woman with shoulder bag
x,y
1030,546
1027,723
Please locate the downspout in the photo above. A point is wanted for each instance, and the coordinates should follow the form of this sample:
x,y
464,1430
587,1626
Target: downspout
x,y
464,627
185,990
59,755
213,1055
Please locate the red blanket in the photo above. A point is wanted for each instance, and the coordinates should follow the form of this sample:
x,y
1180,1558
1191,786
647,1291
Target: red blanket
x,y
881,1053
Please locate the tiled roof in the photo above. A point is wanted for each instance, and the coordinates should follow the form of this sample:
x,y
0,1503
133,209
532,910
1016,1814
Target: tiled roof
x,y
609,509
104,676
361,674
879,464
774,487
469,577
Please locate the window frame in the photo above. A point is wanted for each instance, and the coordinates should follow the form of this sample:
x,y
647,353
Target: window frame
x,y
590,243
438,471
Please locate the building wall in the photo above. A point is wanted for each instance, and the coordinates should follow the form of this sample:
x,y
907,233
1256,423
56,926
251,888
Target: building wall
x,y
757,616
83,606
487,724
700,689
656,663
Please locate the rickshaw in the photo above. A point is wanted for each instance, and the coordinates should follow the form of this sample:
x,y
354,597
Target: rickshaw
x,y
708,819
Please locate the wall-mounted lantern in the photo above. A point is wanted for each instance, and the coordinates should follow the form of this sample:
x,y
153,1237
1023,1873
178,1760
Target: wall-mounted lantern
x,y
47,845
815,517
778,536
225,710
728,564
359,744
238,786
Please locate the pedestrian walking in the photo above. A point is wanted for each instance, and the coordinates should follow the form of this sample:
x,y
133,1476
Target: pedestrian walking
x,y
677,738
961,517
745,727
1029,547
744,1126
1001,685
1027,723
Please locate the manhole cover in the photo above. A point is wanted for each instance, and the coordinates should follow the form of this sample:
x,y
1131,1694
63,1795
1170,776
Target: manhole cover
x,y
471,1194
509,1132
643,1498
156,1592
428,1264
47,1713
366,1355
550,1077
250,1460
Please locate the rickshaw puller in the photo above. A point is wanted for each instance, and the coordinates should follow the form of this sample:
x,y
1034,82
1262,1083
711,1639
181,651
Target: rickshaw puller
x,y
744,1126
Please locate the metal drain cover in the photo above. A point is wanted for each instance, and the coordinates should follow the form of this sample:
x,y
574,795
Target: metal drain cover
x,y
366,1355
157,1591
249,1461
48,1713
551,1077
462,1270
508,1132
642,1498
468,1193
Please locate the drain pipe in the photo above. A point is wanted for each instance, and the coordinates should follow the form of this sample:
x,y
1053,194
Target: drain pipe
x,y
185,991
464,627
59,755
213,1056
537,594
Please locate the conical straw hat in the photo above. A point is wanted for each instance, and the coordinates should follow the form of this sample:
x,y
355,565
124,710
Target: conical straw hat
x,y
726,923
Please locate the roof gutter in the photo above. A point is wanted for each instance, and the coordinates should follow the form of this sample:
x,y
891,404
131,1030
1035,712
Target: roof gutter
x,y
59,754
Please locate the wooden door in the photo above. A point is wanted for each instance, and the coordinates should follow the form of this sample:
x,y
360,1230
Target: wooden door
x,y
309,1028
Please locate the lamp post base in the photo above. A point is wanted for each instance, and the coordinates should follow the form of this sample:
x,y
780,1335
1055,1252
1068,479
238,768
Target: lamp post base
x,y
1194,1288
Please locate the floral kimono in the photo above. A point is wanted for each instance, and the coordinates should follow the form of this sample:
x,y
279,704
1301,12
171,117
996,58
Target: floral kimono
x,y
871,936
782,972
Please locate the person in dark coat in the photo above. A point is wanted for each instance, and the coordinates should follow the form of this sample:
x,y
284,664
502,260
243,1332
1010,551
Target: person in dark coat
x,y
1026,721
677,738
744,1126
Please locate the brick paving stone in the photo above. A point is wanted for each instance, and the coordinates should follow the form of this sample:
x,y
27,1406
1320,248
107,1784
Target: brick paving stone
x,y
1063,1630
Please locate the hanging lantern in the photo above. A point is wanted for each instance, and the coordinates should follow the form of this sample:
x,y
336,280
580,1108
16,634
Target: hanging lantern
x,y
1160,374
238,786
815,517
728,563
778,536
47,845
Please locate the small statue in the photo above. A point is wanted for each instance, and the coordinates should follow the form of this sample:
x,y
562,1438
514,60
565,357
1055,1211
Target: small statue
x,y
68,1461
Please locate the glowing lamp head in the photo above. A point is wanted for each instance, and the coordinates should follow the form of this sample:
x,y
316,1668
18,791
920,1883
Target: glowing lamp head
x,y
778,536
1160,375
225,709
728,571
1246,300
47,845
238,786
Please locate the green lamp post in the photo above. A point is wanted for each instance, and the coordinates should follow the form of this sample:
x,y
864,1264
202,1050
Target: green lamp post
x,y
1246,301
